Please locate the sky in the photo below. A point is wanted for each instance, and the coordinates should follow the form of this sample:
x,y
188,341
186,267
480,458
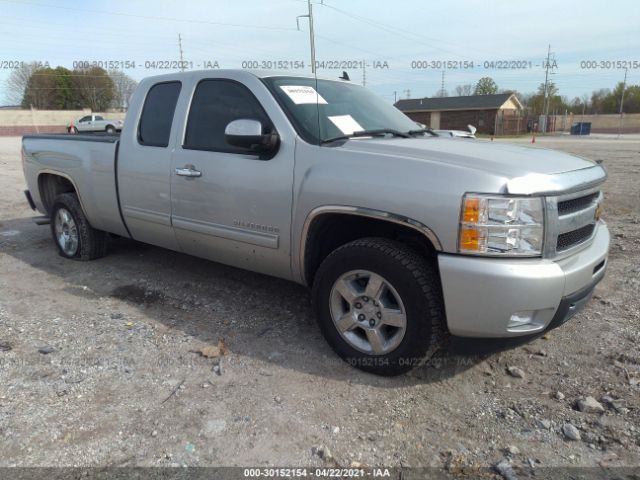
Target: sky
x,y
396,48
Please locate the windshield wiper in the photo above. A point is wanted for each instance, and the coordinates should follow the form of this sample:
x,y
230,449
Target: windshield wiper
x,y
423,130
368,133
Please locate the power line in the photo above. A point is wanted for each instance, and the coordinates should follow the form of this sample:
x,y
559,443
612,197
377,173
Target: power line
x,y
387,28
336,42
81,75
71,88
402,32
151,17
122,37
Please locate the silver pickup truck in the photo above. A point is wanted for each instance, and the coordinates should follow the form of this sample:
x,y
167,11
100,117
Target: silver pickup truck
x,y
406,239
94,123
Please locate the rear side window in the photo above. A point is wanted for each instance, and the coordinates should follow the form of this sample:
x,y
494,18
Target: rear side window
x,y
215,104
157,114
98,117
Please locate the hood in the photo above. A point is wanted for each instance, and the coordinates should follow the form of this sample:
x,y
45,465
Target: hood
x,y
504,159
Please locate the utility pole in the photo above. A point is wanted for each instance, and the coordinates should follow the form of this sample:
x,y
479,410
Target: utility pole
x,y
311,35
442,85
364,74
407,92
395,97
181,57
546,87
624,87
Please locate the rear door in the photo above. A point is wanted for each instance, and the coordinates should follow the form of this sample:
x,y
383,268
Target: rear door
x,y
144,167
238,210
99,123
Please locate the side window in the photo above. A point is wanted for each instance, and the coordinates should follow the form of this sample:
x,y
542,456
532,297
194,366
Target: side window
x,y
157,114
85,119
216,103
98,117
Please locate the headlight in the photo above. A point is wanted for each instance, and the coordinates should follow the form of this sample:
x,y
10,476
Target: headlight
x,y
495,225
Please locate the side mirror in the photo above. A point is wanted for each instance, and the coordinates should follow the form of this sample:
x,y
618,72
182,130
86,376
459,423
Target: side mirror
x,y
248,133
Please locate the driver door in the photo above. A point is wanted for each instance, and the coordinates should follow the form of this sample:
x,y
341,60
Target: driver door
x,y
84,124
227,204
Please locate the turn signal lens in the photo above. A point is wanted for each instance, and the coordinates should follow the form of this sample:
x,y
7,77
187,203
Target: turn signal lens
x,y
469,239
471,210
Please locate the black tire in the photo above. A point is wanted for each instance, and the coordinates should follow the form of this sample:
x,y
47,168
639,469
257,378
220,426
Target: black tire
x,y
416,281
111,129
73,130
91,243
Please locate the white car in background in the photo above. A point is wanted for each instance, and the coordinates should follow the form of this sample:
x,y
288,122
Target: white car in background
x,y
471,133
94,123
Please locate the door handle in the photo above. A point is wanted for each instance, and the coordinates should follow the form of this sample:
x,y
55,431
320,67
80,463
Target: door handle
x,y
188,171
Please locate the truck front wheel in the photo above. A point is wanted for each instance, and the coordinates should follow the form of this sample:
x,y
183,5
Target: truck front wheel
x,y
379,305
74,236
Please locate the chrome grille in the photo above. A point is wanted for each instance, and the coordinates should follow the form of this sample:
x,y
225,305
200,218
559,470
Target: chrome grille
x,y
570,221
574,237
566,207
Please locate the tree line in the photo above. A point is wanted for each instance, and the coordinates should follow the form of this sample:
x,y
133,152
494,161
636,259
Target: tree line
x,y
46,88
601,101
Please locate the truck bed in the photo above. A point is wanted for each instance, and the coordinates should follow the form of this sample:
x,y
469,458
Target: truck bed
x,y
90,162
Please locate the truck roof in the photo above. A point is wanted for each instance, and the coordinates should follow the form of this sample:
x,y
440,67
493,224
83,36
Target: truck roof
x,y
236,71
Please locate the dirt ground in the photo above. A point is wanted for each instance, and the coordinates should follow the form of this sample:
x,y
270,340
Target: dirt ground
x,y
124,384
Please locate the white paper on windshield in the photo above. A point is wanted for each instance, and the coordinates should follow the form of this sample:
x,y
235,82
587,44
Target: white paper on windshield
x,y
301,94
346,124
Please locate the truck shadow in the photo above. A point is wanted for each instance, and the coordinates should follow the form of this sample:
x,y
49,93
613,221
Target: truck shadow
x,y
257,316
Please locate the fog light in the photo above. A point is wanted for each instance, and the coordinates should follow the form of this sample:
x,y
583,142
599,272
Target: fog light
x,y
520,319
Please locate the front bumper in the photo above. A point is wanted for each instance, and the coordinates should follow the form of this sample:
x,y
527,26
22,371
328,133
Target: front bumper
x,y
492,297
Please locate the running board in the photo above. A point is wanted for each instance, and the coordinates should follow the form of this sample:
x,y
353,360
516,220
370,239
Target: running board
x,y
41,220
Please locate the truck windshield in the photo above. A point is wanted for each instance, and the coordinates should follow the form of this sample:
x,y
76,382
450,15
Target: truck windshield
x,y
326,109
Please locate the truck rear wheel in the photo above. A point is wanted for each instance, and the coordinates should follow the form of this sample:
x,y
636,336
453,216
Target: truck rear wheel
x,y
379,305
74,236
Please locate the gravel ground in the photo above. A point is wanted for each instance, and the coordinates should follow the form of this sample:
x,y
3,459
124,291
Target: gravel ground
x,y
123,383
